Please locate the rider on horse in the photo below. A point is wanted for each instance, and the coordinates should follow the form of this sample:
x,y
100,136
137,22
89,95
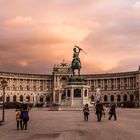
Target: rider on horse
x,y
76,63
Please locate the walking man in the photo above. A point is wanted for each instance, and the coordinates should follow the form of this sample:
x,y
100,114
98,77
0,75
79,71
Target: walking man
x,y
99,110
112,111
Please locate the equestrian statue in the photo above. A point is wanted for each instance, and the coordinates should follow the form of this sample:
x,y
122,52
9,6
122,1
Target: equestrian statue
x,y
76,63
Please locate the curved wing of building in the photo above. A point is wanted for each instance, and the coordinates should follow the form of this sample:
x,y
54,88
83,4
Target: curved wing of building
x,y
120,87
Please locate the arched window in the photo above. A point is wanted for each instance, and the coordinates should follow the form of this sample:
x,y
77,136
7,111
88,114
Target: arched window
x,y
7,98
41,98
41,88
92,88
131,97
92,98
77,92
68,93
112,87
85,93
105,87
14,98
21,98
105,98
14,87
48,98
34,88
1,98
28,88
125,97
28,98
118,98
63,82
112,98
21,88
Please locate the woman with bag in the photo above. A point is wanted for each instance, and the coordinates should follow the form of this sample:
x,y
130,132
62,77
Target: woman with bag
x,y
86,112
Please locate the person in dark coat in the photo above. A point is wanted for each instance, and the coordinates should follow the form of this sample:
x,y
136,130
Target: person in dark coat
x,y
99,110
112,111
86,112
25,116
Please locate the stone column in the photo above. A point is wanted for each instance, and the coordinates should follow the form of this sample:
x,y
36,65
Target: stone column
x,y
121,98
10,87
115,84
103,84
129,82
66,93
121,84
107,84
82,95
72,95
59,97
128,97
54,95
58,81
90,83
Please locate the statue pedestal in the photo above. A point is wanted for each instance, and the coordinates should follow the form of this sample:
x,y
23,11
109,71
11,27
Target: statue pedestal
x,y
76,92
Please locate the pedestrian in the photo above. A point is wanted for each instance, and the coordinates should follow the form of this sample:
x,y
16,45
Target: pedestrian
x,y
19,117
86,112
99,110
112,111
25,116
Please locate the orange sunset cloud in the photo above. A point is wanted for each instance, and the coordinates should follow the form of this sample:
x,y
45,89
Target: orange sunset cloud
x,y
36,35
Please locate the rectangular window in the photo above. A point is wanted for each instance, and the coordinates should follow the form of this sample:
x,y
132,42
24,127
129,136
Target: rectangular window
x,y
85,93
68,93
77,93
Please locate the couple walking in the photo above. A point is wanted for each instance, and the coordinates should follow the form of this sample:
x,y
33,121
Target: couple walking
x,y
100,111
22,117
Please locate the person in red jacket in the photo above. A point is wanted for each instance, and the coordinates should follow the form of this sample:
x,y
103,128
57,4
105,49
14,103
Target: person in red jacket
x,y
19,118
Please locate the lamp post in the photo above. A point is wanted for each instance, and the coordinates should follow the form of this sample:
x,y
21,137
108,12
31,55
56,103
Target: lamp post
x,y
4,84
34,97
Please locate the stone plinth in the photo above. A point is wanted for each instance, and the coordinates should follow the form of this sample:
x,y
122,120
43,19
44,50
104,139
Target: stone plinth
x,y
76,92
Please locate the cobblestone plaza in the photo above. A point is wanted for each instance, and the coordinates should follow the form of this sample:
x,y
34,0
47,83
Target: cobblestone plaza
x,y
69,125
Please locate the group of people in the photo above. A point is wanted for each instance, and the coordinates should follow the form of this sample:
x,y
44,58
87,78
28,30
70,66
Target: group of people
x,y
22,117
100,111
22,114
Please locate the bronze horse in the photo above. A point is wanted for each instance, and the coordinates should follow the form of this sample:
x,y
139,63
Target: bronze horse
x,y
76,65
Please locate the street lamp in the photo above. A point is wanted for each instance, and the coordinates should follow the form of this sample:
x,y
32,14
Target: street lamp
x,y
4,84
34,96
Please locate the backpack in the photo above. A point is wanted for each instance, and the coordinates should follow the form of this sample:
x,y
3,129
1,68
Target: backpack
x,y
18,115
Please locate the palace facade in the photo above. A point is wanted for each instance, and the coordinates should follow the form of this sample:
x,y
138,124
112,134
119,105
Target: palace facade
x,y
38,88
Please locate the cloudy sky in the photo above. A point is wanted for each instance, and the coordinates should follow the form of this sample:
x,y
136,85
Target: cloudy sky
x,y
36,34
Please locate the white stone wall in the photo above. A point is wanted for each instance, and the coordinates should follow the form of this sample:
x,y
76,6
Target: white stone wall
x,y
27,86
115,84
